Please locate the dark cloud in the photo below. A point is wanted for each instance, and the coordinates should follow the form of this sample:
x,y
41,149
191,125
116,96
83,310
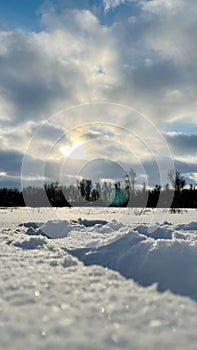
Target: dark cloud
x,y
32,172
10,183
11,162
185,167
182,144
102,169
49,133
159,75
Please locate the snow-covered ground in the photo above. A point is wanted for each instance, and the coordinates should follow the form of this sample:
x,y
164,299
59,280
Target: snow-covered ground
x,y
98,279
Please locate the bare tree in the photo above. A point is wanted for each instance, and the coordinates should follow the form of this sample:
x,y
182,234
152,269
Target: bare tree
x,y
129,179
177,180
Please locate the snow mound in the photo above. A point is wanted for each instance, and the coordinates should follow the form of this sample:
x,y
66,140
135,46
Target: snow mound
x,y
90,223
172,264
33,225
156,232
61,228
53,229
192,226
31,244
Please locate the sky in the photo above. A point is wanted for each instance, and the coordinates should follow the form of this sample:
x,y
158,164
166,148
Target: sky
x,y
88,85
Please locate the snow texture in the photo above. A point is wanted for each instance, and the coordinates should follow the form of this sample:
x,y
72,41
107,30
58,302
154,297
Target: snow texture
x,y
98,280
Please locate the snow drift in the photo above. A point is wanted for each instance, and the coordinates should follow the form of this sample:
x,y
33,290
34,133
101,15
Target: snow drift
x,y
148,254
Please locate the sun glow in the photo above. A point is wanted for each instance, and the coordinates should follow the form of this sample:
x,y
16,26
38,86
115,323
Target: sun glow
x,y
76,151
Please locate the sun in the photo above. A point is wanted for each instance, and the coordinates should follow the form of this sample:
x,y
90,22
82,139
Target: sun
x,y
76,151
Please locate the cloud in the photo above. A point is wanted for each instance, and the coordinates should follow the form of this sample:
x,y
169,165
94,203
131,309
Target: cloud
x,y
110,4
10,162
185,167
30,79
146,61
182,144
191,178
159,53
161,7
102,168
61,66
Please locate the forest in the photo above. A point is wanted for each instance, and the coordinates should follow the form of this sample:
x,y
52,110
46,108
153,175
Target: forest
x,y
87,193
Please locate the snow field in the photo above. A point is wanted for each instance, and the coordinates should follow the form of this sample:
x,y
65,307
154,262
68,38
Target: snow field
x,y
70,291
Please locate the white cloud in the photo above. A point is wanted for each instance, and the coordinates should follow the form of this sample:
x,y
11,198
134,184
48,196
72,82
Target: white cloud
x,y
161,7
192,177
109,4
72,62
3,173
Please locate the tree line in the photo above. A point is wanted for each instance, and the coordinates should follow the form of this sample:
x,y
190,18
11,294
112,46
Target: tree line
x,y
87,193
